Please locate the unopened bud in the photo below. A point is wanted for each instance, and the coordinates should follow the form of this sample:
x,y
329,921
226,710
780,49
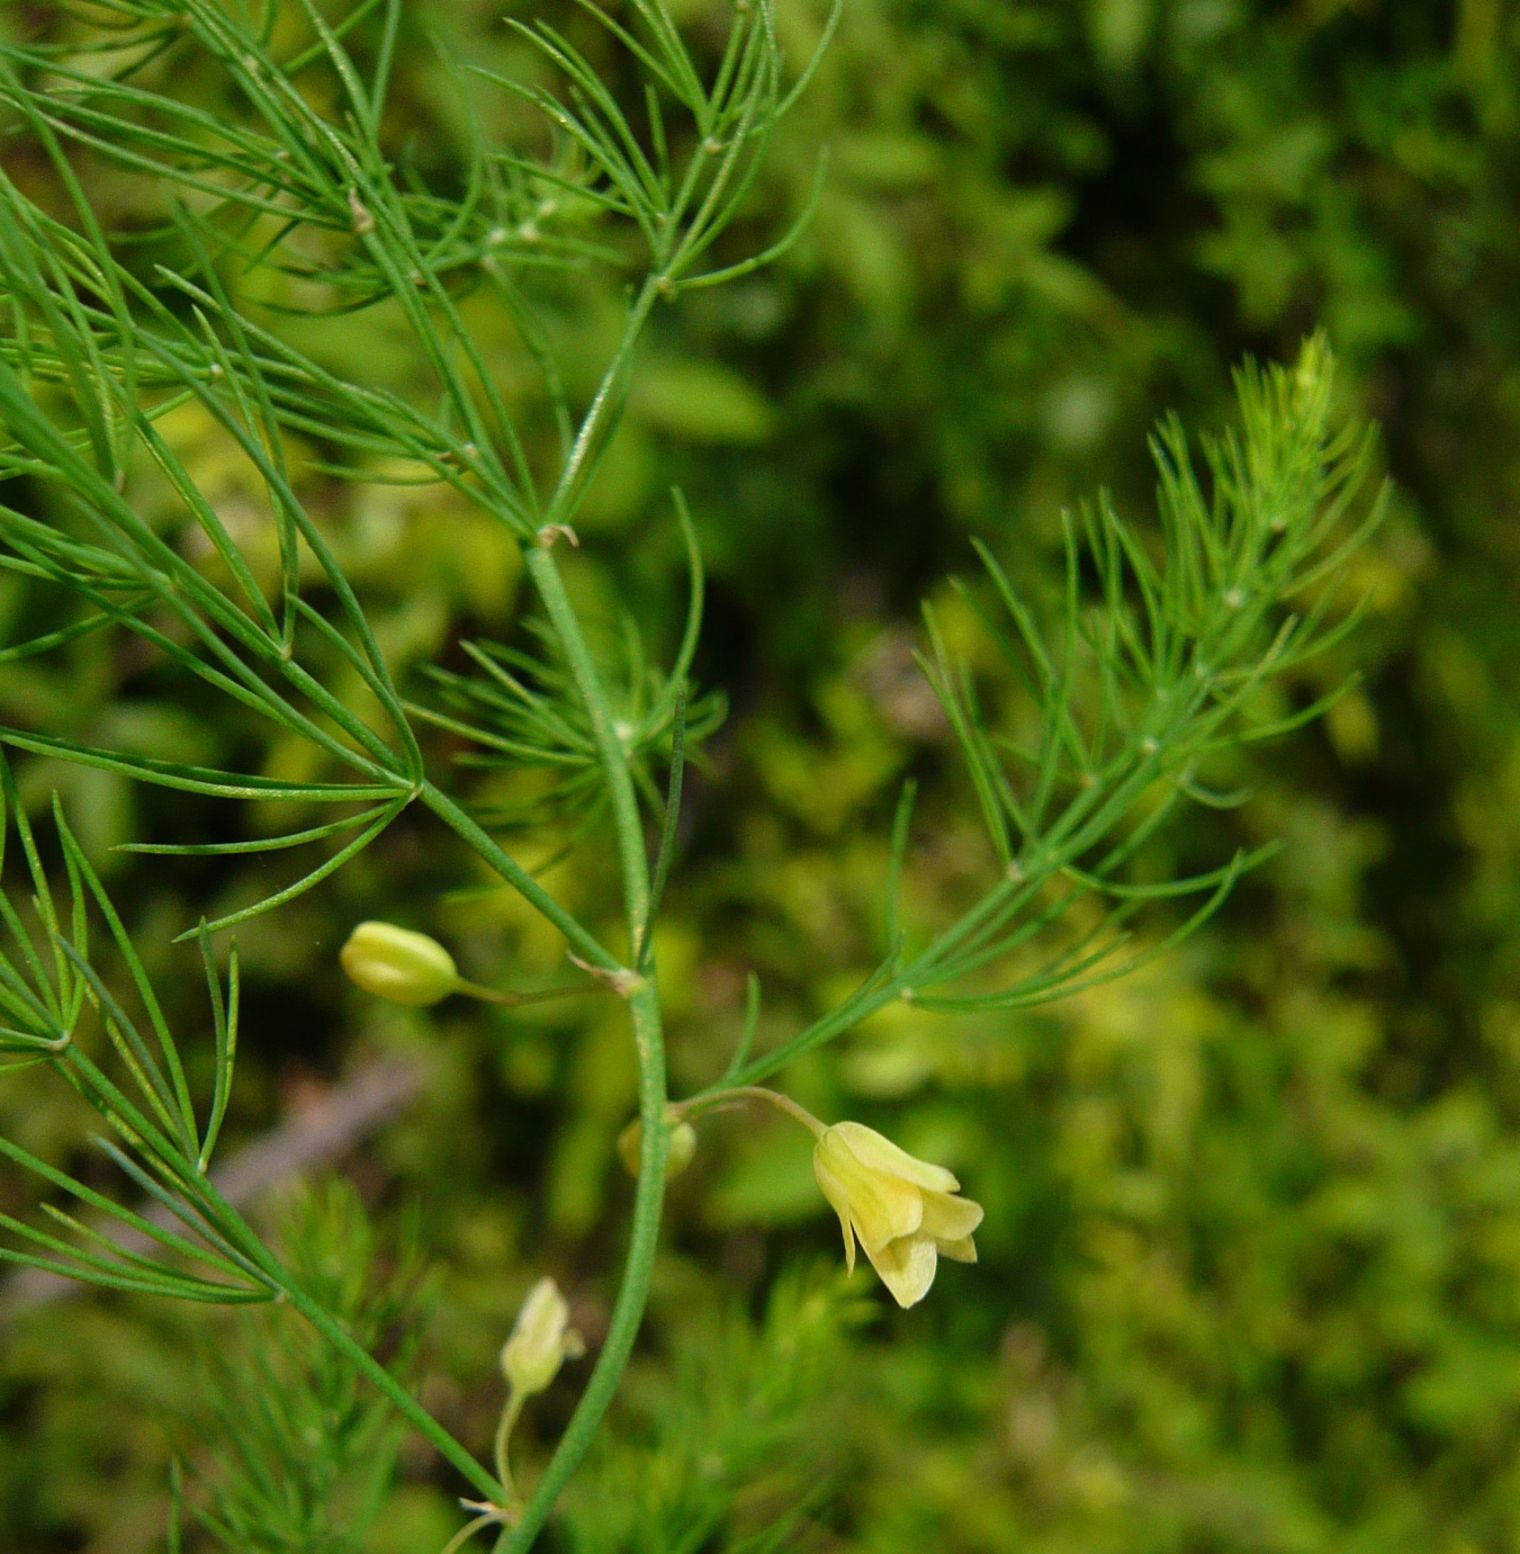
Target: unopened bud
x,y
542,1340
395,963
683,1145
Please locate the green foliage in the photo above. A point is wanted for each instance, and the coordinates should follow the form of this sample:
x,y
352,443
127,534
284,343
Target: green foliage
x,y
299,1452
731,1443
47,982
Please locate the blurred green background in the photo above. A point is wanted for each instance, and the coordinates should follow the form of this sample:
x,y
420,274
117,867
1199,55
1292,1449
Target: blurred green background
x,y
1250,1276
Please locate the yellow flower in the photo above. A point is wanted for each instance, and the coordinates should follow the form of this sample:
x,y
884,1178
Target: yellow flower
x,y
395,963
904,1210
542,1340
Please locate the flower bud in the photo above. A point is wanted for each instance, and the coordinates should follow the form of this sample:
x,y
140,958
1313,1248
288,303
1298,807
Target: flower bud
x,y
395,963
683,1146
542,1340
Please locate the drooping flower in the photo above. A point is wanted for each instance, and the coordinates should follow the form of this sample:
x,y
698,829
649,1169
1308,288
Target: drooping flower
x,y
397,964
904,1211
541,1341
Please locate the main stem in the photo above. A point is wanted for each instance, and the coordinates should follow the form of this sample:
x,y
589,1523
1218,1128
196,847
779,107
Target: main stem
x,y
644,1012
633,862
633,1294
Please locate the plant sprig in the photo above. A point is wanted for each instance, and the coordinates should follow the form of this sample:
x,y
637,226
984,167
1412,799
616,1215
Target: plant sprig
x,y
1156,654
1156,657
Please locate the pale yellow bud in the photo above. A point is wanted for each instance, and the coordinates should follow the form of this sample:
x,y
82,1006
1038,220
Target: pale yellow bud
x,y
904,1211
395,963
542,1340
683,1146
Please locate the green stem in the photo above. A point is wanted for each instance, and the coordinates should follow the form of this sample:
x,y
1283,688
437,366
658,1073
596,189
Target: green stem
x,y
507,1000
644,1012
633,1295
501,1455
486,847
714,1100
468,1531
264,1263
632,858
860,1008
586,451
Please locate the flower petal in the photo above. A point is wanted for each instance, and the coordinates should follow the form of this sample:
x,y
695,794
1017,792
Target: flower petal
x,y
839,1200
962,1251
906,1267
880,1204
948,1218
877,1153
